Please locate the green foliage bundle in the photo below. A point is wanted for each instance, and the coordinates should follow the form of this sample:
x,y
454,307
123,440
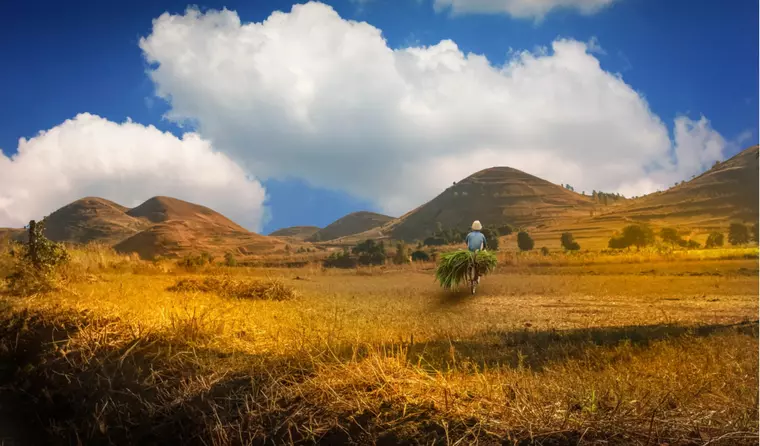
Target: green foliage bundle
x,y
453,266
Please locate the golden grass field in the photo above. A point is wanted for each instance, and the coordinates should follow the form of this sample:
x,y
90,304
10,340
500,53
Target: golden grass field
x,y
636,348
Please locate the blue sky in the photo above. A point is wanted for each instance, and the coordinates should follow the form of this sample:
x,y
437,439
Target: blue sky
x,y
683,57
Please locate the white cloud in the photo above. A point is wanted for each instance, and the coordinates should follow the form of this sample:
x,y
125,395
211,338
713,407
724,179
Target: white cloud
x,y
127,163
311,95
523,9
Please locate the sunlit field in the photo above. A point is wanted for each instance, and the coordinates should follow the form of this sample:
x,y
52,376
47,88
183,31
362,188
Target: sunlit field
x,y
636,348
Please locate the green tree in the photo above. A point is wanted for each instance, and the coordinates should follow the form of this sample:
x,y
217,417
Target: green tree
x,y
738,234
370,253
693,244
714,240
544,250
505,230
420,256
568,242
524,241
492,239
402,254
638,235
229,259
670,235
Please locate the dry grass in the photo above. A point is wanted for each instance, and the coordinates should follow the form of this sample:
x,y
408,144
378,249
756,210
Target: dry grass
x,y
602,352
270,289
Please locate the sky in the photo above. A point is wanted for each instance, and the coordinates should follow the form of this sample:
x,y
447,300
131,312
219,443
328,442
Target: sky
x,y
280,113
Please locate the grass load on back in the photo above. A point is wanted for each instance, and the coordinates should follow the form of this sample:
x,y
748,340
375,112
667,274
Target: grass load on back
x,y
453,266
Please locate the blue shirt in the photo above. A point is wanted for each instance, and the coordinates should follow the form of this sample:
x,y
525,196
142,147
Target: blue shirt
x,y
476,240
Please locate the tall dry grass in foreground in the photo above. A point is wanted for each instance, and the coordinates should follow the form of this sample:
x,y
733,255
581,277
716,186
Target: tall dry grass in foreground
x,y
122,353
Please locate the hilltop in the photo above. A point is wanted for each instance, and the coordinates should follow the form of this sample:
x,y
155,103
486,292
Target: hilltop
x,y
354,223
161,226
296,232
495,196
92,219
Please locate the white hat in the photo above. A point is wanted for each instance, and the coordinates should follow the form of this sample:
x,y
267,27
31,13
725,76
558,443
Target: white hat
x,y
476,226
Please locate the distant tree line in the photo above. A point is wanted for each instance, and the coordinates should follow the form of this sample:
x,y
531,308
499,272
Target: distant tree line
x,y
641,235
605,198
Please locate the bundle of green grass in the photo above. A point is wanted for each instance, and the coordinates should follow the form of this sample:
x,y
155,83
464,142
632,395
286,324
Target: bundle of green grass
x,y
452,268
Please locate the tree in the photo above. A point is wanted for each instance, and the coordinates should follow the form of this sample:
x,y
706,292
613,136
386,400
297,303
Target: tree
x,y
714,240
544,251
420,256
370,253
492,239
434,241
753,234
738,234
638,235
632,235
402,254
524,241
693,244
670,235
340,260
617,243
229,259
505,230
568,242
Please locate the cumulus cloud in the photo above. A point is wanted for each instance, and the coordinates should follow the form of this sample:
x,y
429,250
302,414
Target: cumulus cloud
x,y
522,9
310,95
127,163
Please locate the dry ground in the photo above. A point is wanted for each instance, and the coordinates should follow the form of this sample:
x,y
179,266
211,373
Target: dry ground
x,y
552,350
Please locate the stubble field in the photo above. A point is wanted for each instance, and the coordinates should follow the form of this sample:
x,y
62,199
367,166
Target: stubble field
x,y
589,350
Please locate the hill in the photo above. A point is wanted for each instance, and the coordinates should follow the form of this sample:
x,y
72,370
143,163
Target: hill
x,y
161,226
163,209
726,193
353,223
495,196
92,219
296,232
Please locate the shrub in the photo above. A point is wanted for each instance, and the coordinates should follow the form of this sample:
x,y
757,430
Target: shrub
x,y
229,259
402,254
693,244
434,241
420,256
370,253
670,235
191,261
492,239
524,241
617,243
753,233
714,240
544,251
505,230
35,262
568,242
340,260
738,234
270,289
